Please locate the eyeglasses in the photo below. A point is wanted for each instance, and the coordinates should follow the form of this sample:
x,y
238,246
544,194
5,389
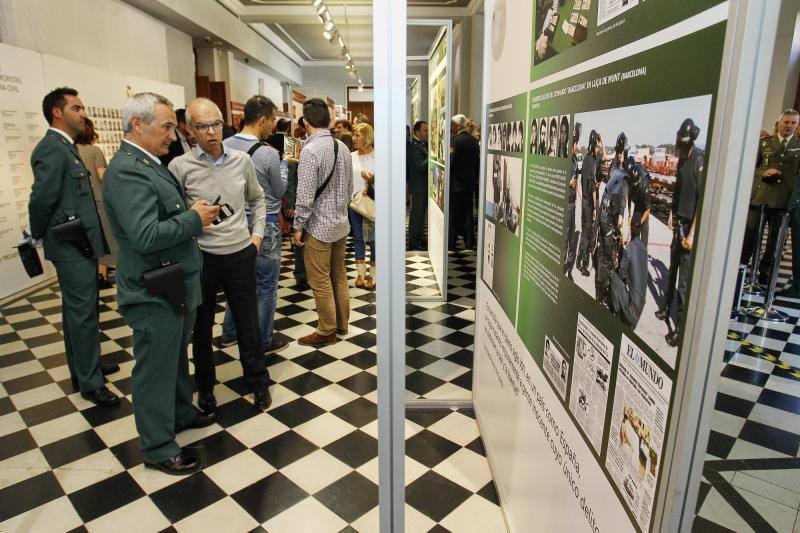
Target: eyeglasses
x,y
203,128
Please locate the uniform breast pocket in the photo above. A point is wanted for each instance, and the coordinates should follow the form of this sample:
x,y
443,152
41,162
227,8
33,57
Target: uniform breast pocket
x,y
81,177
173,205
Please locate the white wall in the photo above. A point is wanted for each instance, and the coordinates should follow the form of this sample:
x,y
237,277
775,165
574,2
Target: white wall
x,y
785,64
180,61
107,34
475,73
331,81
244,83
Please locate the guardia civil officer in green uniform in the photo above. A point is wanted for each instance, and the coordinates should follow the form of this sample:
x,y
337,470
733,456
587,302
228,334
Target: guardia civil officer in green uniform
x,y
62,194
773,186
158,278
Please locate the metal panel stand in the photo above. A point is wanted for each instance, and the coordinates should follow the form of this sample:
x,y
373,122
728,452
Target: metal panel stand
x,y
766,311
753,287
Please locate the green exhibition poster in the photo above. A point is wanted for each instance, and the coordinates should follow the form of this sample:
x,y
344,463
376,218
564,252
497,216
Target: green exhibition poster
x,y
566,33
438,127
602,243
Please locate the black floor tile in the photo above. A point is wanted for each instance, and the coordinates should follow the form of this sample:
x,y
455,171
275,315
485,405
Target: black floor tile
x,y
44,340
418,359
701,525
415,340
770,437
128,453
459,338
780,400
16,443
733,405
54,361
269,497
296,412
313,360
305,384
720,445
350,497
364,340
215,448
426,418
15,358
745,375
25,383
463,357
464,380
422,383
354,449
6,406
359,412
361,383
429,448
477,446
44,412
187,496
364,359
435,496
105,496
72,448
367,323
18,310
285,449
98,415
235,411
32,323
28,494
490,493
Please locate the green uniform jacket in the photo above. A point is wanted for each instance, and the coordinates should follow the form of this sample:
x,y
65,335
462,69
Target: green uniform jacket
x,y
148,214
61,189
771,154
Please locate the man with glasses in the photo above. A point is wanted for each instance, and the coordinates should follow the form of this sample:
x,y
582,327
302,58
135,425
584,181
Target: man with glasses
x,y
225,177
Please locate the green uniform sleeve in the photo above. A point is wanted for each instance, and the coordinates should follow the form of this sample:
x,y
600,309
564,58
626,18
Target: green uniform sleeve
x,y
49,167
135,202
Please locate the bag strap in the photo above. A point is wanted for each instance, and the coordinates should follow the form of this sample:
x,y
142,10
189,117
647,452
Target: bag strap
x,y
325,184
253,149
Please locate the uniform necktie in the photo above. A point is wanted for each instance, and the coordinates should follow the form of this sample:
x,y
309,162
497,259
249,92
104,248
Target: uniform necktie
x,y
784,142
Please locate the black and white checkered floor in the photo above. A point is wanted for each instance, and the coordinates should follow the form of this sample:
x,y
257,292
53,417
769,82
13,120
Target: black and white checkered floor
x,y
309,464
752,471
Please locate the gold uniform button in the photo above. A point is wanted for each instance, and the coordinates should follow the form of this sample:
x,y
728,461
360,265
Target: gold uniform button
x,y
178,206
77,162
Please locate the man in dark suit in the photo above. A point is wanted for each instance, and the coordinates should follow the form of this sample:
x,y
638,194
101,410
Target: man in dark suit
x,y
417,183
182,143
62,193
465,161
158,278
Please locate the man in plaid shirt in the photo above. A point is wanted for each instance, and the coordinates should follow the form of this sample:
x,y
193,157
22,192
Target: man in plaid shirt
x,y
324,189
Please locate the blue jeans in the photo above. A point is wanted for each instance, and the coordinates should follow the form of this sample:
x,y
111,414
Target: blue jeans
x,y
357,223
268,267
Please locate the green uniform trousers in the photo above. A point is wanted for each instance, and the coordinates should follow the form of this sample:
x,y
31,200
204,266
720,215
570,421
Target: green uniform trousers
x,y
794,224
162,388
78,282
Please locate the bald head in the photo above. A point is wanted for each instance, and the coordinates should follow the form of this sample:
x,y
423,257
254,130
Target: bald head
x,y
205,122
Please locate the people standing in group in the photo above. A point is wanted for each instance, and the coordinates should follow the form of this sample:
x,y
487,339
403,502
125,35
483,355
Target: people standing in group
x,y
360,118
183,139
158,278
465,161
95,162
342,125
62,212
363,183
346,137
300,131
471,126
259,121
225,177
324,190
589,182
417,183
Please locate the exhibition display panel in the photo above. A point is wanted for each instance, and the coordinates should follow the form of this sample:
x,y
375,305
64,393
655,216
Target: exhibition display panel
x,y
593,198
25,77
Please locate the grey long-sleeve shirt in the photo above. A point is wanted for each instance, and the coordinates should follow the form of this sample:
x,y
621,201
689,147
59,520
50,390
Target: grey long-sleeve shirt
x,y
232,177
271,171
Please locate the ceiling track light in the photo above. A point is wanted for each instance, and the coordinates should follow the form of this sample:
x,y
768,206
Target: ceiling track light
x,y
316,3
331,33
322,9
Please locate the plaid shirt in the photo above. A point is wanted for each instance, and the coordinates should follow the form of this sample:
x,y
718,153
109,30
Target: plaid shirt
x,y
326,218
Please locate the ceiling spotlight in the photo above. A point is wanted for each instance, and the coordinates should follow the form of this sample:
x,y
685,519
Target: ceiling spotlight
x,y
329,26
328,15
334,36
316,3
344,50
347,56
321,19
327,34
353,74
360,86
322,9
341,42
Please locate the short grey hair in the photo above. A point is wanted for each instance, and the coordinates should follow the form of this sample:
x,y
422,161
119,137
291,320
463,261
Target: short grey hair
x,y
459,120
143,106
791,112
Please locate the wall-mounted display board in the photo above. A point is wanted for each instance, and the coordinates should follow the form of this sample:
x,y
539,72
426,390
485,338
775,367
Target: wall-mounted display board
x,y
25,77
415,101
438,159
593,192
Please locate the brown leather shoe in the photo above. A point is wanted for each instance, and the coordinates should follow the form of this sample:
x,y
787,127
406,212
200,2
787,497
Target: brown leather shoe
x,y
369,283
317,341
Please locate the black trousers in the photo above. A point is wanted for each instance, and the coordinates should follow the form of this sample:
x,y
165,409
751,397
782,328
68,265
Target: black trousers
x,y
569,234
587,235
460,218
772,218
416,223
678,280
236,274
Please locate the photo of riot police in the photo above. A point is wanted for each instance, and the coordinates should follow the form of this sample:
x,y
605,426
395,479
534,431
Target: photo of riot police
x,y
629,236
503,191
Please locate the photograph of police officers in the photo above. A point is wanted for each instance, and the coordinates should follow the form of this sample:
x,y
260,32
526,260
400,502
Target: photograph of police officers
x,y
637,186
503,191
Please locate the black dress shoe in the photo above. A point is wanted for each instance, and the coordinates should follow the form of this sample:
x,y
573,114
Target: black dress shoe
x,y
663,313
102,397
672,338
180,465
202,420
207,403
790,292
263,399
109,368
